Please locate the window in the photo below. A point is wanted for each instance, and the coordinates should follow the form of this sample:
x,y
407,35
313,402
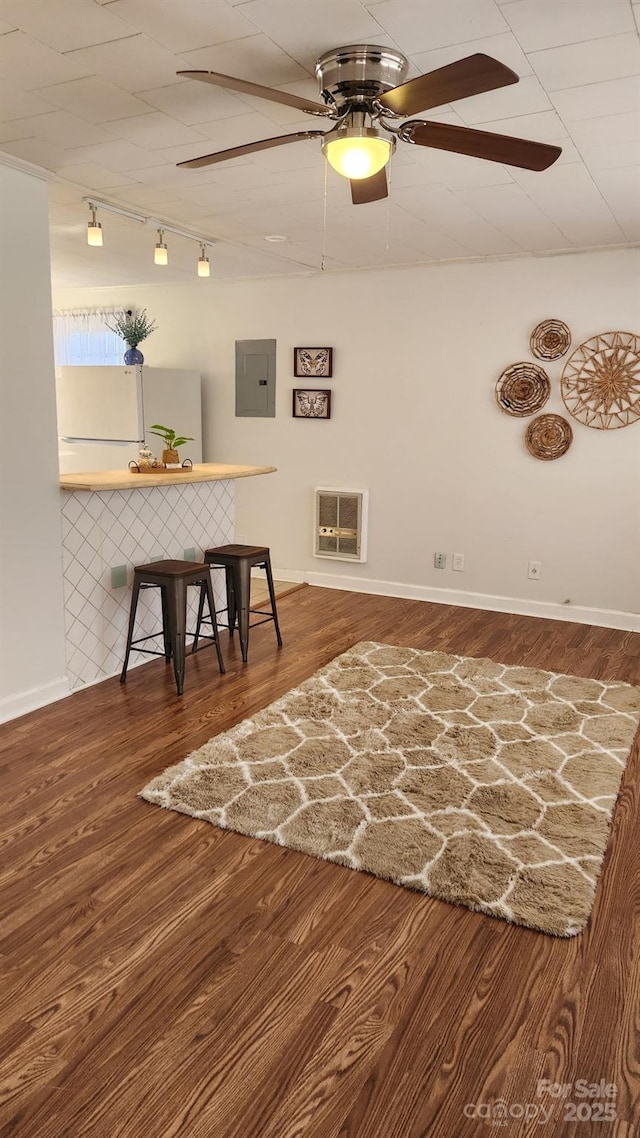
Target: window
x,y
80,336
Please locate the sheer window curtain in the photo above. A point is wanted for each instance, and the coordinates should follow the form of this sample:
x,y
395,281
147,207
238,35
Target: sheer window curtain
x,y
80,336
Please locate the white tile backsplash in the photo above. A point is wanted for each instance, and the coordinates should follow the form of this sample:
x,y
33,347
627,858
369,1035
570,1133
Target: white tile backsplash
x,y
128,527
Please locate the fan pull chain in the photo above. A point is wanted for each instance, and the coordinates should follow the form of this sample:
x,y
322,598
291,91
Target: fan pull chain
x,y
324,218
389,181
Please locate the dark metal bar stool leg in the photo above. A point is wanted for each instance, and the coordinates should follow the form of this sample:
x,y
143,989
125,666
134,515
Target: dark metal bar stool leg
x,y
203,593
132,621
165,624
231,599
208,587
177,604
242,583
272,597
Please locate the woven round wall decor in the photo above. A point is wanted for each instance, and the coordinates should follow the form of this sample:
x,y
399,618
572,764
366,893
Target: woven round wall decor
x,y
523,389
600,383
550,339
548,437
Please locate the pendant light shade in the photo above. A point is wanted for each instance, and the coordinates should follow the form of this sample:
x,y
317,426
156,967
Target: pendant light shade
x,y
204,268
94,229
161,253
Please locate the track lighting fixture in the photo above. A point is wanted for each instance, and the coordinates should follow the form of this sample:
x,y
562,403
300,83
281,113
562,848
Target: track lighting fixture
x,y
204,268
94,228
161,254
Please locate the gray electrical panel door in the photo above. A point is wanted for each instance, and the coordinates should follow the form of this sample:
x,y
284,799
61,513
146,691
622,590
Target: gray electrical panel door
x,y
256,378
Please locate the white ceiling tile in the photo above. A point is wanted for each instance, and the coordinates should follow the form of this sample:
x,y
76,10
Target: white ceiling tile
x,y
314,28
619,187
455,171
120,155
154,130
549,23
597,99
30,65
183,26
132,64
457,219
4,28
93,99
18,104
35,150
62,129
603,156
504,47
250,127
418,26
524,98
192,102
594,61
256,58
608,130
544,126
569,196
509,208
95,177
282,115
64,24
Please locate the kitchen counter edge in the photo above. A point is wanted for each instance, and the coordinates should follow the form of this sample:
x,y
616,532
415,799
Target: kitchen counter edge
x,y
123,480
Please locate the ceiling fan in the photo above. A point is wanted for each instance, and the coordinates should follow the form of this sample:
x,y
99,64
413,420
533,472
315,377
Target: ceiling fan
x,y
363,90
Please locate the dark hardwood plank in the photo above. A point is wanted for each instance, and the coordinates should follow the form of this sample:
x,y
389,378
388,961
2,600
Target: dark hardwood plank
x,y
163,977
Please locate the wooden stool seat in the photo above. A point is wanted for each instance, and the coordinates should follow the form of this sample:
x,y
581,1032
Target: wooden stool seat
x,y
238,561
172,578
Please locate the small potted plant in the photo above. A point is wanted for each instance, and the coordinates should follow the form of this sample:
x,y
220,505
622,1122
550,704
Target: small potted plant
x,y
171,442
133,329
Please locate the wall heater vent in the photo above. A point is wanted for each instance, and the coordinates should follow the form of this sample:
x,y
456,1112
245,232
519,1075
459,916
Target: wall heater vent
x,y
340,529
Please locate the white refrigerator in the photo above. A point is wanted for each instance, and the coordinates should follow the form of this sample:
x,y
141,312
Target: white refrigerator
x,y
106,413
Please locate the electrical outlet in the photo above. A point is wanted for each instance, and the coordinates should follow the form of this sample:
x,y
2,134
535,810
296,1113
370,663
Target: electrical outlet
x,y
535,570
190,554
118,576
157,557
241,538
458,562
439,560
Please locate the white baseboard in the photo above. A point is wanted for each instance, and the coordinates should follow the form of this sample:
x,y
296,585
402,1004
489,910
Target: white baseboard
x,y
293,575
606,618
14,705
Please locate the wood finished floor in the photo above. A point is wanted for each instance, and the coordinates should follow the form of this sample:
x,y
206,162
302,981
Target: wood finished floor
x,y
162,977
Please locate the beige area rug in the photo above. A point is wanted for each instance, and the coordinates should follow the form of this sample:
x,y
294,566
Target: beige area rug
x,y
480,784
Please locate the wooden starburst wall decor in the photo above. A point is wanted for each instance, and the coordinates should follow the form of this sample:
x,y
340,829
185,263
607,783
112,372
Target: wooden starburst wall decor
x,y
600,383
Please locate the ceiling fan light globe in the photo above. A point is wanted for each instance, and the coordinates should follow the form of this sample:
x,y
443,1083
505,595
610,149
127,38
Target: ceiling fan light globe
x,y
358,156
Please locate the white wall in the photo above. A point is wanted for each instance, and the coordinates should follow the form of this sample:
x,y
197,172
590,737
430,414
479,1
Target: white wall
x,y
32,661
416,356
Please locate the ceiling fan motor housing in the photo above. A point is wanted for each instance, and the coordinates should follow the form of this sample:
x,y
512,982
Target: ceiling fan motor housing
x,y
359,73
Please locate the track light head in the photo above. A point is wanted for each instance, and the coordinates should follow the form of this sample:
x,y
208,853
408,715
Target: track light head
x,y
161,253
94,229
204,267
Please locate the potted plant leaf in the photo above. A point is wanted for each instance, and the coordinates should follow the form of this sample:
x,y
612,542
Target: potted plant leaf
x,y
133,328
171,442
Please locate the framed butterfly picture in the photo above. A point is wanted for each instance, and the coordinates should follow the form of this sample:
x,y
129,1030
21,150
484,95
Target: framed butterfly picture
x,y
311,403
313,363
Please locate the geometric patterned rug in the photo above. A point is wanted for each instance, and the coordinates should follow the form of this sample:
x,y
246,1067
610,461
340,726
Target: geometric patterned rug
x,y
478,783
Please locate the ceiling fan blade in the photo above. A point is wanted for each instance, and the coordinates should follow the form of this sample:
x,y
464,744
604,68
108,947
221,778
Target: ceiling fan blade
x,y
249,148
482,144
271,93
470,76
372,189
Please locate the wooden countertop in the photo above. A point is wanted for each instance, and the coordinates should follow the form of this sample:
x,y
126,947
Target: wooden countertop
x,y
123,480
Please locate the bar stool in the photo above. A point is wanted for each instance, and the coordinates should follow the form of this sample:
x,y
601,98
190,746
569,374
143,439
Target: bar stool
x,y
172,578
238,561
